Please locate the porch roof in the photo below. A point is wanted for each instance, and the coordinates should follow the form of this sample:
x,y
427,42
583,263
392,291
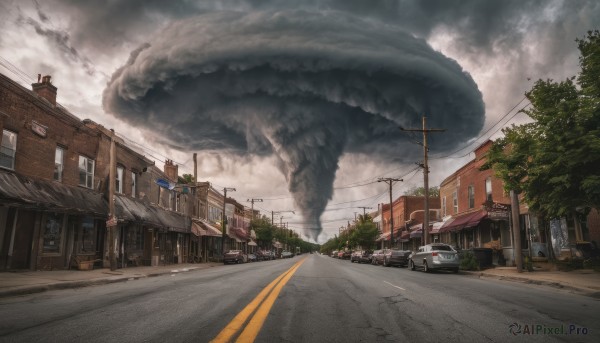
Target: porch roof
x,y
21,191
462,221
135,210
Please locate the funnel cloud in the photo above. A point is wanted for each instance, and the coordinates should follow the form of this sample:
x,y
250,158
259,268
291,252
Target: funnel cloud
x,y
306,87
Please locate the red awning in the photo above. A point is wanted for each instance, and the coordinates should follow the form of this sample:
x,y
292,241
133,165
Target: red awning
x,y
464,221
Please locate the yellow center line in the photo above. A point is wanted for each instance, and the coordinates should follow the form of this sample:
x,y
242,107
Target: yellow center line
x,y
252,329
236,324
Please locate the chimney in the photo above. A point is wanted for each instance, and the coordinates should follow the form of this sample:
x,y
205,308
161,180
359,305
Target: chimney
x,y
171,170
45,89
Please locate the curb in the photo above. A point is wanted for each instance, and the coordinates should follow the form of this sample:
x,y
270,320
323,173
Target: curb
x,y
25,290
553,284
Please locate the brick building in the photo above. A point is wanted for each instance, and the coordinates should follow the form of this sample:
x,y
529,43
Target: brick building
x,y
50,206
408,211
54,172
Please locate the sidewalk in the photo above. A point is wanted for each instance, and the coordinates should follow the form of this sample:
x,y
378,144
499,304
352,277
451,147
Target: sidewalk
x,y
27,282
582,281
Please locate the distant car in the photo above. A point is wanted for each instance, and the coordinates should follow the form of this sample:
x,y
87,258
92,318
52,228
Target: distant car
x,y
435,256
252,258
361,256
234,256
395,257
334,254
340,254
346,255
287,254
377,257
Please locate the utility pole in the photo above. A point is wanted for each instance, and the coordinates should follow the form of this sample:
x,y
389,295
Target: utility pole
x,y
390,181
365,210
425,167
252,202
514,204
111,202
224,219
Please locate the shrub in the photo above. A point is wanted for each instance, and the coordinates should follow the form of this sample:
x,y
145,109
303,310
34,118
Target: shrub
x,y
468,261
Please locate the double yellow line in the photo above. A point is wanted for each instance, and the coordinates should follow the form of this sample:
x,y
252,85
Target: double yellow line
x,y
260,315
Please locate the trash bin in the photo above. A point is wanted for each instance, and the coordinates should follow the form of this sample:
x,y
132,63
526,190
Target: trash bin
x,y
483,257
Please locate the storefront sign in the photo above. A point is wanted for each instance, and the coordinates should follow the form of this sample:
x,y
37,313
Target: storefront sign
x,y
497,211
38,129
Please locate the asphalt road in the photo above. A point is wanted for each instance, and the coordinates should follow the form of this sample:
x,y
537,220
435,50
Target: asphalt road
x,y
325,300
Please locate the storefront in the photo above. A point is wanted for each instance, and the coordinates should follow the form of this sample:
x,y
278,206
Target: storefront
x,y
48,225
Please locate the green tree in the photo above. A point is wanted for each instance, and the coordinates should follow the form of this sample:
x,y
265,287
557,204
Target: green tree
x,y
555,160
420,191
365,232
186,178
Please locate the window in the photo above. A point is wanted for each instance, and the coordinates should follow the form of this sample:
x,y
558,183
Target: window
x,y
8,149
471,195
52,234
87,236
119,181
86,172
443,206
59,163
488,189
133,184
455,202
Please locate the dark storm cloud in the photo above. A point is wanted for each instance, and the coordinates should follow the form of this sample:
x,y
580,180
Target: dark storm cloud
x,y
304,86
58,38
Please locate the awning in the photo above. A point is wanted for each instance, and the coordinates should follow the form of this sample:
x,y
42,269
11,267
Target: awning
x,y
201,227
463,221
252,243
237,234
21,191
405,236
416,233
435,228
384,237
135,210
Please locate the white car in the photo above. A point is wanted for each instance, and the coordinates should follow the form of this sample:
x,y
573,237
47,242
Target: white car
x,y
435,256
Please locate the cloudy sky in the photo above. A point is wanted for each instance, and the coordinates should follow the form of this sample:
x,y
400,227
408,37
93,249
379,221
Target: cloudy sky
x,y
297,102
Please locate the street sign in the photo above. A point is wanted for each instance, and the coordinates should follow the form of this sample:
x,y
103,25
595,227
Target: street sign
x,y
111,222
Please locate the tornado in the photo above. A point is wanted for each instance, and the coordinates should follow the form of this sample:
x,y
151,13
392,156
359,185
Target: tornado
x,y
303,86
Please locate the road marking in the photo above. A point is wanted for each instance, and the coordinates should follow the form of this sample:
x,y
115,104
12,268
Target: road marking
x,y
395,286
240,319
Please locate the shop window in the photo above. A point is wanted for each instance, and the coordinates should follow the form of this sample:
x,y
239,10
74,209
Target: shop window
x,y
8,149
59,163
119,180
471,195
86,172
488,189
135,239
455,202
87,236
443,206
133,184
52,234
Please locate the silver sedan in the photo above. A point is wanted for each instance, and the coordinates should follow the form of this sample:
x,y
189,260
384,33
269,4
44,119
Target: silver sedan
x,y
435,256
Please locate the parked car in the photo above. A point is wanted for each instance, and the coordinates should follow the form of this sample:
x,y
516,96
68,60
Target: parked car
x,y
361,256
377,257
286,254
395,257
435,256
334,254
234,256
262,255
252,258
268,255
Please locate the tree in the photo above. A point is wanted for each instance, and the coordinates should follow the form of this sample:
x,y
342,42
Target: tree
x,y
186,178
365,232
555,160
420,191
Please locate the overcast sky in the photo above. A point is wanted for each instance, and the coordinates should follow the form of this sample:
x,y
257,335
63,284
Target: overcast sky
x,y
297,102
